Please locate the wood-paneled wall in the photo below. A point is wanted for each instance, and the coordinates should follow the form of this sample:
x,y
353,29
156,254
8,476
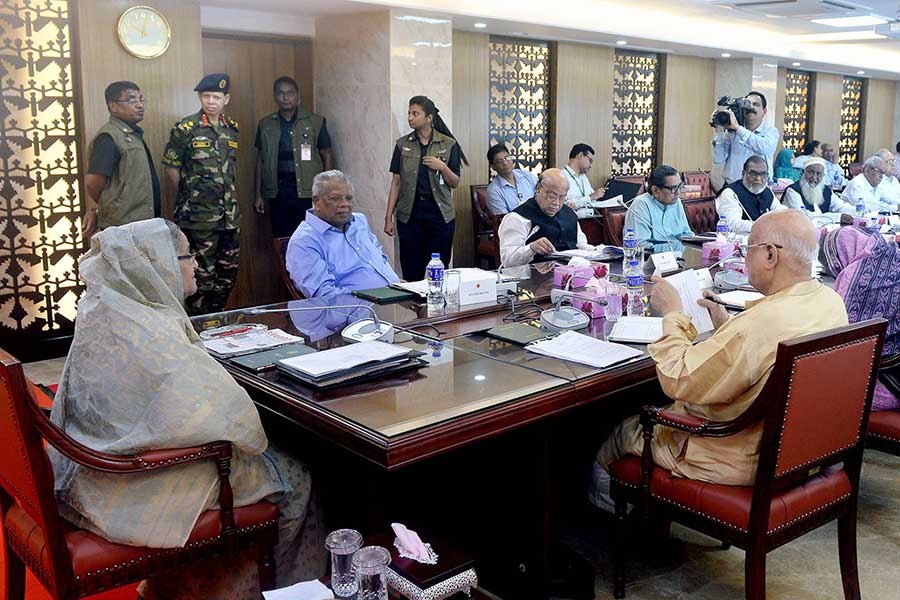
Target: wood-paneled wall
x,y
878,112
253,64
167,81
584,100
684,133
825,118
471,76
780,95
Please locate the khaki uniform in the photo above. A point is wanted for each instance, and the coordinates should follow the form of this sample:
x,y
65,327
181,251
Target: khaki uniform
x,y
128,196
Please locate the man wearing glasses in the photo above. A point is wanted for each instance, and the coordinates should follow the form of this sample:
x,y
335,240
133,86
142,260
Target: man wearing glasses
x,y
866,188
720,377
121,181
657,216
889,185
743,201
511,187
542,225
734,144
581,194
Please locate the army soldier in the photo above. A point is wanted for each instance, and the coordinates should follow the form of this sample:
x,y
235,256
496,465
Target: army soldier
x,y
292,146
199,161
121,181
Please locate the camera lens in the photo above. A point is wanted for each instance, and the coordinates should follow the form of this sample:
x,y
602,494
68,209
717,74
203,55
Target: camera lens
x,y
722,118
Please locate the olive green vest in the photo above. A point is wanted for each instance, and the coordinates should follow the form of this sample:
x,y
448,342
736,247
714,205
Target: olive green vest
x,y
305,131
440,147
128,196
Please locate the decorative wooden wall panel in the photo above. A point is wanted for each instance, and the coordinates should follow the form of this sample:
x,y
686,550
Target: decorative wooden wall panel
x,y
796,109
635,113
520,100
851,107
40,207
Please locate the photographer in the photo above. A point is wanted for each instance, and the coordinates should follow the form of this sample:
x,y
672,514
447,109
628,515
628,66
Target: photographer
x,y
735,143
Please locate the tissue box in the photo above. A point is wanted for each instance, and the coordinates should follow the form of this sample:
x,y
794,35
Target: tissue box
x,y
581,274
716,250
589,302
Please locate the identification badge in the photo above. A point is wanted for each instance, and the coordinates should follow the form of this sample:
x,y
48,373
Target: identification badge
x,y
201,144
441,179
232,144
305,152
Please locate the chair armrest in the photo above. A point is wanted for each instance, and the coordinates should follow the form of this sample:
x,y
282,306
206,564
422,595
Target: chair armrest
x,y
889,362
673,419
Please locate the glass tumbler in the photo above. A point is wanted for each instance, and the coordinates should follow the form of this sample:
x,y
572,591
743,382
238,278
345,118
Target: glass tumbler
x,y
451,290
613,309
342,544
370,564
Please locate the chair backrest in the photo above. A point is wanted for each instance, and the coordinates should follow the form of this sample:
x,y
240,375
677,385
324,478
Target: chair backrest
x,y
26,477
854,169
281,245
613,224
701,214
700,178
818,399
481,215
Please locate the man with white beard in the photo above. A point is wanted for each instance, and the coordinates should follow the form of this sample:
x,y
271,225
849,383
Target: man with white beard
x,y
810,192
743,201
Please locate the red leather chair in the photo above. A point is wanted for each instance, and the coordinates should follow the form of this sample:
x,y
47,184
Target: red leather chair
x,y
281,245
700,178
854,169
701,214
485,228
72,562
814,413
613,225
884,425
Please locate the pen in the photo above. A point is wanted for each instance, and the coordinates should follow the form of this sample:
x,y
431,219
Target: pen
x,y
725,304
232,332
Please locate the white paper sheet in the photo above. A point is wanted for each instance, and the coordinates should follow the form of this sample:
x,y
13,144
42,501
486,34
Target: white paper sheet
x,y
637,330
608,203
252,341
580,348
316,364
600,253
689,289
739,298
305,590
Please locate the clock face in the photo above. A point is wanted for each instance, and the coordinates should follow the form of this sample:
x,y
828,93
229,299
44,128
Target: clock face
x,y
144,32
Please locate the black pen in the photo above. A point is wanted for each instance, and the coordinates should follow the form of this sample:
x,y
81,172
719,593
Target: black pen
x,y
725,304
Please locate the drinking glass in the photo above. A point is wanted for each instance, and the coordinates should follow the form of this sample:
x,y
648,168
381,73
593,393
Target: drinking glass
x,y
613,309
342,544
370,564
451,290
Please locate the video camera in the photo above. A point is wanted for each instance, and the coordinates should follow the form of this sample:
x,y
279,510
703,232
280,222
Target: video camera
x,y
739,106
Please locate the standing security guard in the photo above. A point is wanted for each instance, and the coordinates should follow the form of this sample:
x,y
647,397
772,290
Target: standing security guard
x,y
293,146
199,161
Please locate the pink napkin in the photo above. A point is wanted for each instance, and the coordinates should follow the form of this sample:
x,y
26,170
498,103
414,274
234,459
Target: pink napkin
x,y
410,542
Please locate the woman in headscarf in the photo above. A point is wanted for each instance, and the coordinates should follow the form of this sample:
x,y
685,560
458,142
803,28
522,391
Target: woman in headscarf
x,y
867,276
137,379
782,167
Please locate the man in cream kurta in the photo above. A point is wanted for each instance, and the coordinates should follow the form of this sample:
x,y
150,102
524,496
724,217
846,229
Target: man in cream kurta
x,y
719,378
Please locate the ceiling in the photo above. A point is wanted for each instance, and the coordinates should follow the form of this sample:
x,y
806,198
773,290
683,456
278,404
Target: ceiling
x,y
743,28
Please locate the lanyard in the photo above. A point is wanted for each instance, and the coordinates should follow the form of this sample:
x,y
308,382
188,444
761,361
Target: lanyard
x,y
576,180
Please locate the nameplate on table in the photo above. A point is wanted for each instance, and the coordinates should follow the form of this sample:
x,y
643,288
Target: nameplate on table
x,y
664,262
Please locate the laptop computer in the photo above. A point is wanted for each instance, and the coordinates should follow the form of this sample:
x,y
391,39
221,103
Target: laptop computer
x,y
626,189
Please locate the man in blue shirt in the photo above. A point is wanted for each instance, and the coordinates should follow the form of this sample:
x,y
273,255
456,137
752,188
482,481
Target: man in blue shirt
x,y
658,216
333,251
511,187
734,144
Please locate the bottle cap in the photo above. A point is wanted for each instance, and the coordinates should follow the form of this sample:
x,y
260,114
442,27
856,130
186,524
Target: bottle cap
x,y
632,263
435,255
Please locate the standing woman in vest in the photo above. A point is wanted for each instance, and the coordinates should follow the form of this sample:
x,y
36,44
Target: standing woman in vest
x,y
425,169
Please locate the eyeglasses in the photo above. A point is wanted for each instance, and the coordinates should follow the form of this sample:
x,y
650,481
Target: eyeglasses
x,y
744,249
673,188
877,171
338,198
191,256
756,174
506,158
132,101
555,197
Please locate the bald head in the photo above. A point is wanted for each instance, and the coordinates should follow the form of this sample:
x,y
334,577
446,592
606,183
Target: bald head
x,y
551,191
796,245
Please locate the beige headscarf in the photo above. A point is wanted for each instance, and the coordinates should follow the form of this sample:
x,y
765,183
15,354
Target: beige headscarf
x,y
136,379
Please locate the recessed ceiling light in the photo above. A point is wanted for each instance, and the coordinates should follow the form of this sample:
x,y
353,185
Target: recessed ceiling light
x,y
795,64
621,43
863,21
860,72
480,25
726,55
841,36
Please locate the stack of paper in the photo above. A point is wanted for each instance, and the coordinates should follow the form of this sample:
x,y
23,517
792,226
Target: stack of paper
x,y
305,590
601,252
739,298
348,363
248,342
637,330
689,290
580,348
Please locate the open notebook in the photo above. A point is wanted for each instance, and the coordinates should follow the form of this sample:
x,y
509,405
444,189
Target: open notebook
x,y
637,330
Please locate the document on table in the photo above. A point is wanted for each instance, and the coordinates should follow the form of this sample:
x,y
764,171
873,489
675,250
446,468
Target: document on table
x,y
613,202
637,330
689,290
580,348
416,287
305,590
341,358
251,341
739,298
601,252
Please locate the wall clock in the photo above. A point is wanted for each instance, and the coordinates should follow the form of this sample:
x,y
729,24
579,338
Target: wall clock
x,y
144,32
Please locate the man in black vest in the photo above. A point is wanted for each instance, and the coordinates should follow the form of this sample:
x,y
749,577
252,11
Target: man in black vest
x,y
743,201
542,225
810,192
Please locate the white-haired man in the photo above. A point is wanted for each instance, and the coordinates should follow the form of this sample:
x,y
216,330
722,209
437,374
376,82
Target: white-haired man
x,y
889,186
866,189
333,251
810,192
720,377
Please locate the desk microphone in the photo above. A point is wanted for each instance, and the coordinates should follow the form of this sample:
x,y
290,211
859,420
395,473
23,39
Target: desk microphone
x,y
560,318
628,208
364,330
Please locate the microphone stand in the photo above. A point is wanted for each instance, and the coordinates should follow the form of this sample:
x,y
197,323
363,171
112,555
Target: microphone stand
x,y
363,330
628,208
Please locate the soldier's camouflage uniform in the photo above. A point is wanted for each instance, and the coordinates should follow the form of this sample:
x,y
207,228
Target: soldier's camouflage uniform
x,y
207,208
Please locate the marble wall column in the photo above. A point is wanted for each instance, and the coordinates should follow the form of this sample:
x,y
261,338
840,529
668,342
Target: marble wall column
x,y
367,67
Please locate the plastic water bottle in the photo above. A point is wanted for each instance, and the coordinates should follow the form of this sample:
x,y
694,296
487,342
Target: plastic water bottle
x,y
722,229
837,179
873,224
860,207
630,248
434,275
634,284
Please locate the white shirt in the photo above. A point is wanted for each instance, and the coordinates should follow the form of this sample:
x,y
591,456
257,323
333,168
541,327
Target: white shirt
x,y
728,206
580,189
834,175
890,188
875,198
792,199
733,148
514,230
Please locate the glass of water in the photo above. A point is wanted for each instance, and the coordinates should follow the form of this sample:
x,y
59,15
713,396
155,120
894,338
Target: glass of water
x,y
370,564
613,309
342,544
451,290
